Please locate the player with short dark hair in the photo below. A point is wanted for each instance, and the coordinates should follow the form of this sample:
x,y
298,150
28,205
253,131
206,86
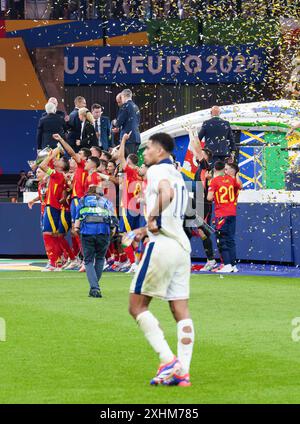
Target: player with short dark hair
x,y
93,178
223,190
96,151
232,168
106,155
164,140
164,271
134,159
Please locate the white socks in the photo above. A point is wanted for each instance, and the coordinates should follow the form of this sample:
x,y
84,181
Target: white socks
x,y
186,336
155,336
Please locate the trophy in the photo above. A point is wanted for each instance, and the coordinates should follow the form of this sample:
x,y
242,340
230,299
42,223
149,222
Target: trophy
x,y
43,154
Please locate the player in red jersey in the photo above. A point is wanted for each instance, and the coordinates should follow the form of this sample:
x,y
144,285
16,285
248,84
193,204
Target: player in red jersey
x,y
42,191
131,216
223,191
65,224
93,178
53,205
78,190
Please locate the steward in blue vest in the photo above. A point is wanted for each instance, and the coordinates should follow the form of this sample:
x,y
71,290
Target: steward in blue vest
x,y
96,221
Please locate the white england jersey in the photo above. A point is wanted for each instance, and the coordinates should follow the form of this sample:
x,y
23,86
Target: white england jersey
x,y
171,219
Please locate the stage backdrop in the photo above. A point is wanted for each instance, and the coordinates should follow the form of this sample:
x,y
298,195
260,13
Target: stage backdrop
x,y
24,87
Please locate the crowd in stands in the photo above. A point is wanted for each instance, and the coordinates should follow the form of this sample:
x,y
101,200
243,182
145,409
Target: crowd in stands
x,y
143,9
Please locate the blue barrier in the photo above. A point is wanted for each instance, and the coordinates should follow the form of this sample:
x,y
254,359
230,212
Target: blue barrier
x,y
263,233
267,232
20,230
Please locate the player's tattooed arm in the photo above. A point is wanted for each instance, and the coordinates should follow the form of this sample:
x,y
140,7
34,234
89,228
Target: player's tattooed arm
x,y
164,198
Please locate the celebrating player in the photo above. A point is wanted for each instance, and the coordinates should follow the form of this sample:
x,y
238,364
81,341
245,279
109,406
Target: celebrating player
x,y
131,217
223,190
93,178
78,187
203,175
164,271
53,207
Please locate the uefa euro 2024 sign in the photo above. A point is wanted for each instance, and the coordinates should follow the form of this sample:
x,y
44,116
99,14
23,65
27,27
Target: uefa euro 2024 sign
x,y
188,65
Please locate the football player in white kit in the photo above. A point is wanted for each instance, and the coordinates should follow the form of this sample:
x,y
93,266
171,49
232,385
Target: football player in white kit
x,y
164,270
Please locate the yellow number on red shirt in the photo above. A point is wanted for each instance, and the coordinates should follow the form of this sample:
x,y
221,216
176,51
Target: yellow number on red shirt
x,y
225,194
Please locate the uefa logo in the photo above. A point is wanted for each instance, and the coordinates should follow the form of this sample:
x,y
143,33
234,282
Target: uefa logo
x,y
2,70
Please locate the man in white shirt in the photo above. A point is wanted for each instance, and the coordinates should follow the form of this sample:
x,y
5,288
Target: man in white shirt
x,y
164,271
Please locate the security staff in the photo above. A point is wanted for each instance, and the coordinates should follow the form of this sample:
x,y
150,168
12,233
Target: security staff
x,y
95,220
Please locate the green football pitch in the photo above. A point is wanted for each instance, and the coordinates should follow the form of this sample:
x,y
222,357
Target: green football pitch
x,y
63,347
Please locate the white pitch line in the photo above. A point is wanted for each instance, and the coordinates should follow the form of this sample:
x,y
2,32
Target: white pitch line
x,y
70,277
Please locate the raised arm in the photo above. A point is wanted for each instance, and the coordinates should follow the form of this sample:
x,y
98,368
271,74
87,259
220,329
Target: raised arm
x,y
202,132
195,143
239,181
67,147
44,165
122,150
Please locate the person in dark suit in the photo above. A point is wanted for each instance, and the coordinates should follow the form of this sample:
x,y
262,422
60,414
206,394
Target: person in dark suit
x,y
88,136
50,124
74,123
115,131
218,136
128,121
102,127
58,112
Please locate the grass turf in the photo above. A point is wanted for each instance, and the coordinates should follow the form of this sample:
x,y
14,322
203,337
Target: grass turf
x,y
63,347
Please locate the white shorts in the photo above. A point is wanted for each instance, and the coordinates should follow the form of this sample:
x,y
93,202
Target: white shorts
x,y
164,270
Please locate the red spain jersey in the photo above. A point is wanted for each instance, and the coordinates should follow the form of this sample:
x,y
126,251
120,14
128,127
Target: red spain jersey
x,y
225,190
42,192
92,179
55,189
132,189
67,204
79,180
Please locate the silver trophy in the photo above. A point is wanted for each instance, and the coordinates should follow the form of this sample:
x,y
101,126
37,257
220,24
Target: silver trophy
x,y
42,155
